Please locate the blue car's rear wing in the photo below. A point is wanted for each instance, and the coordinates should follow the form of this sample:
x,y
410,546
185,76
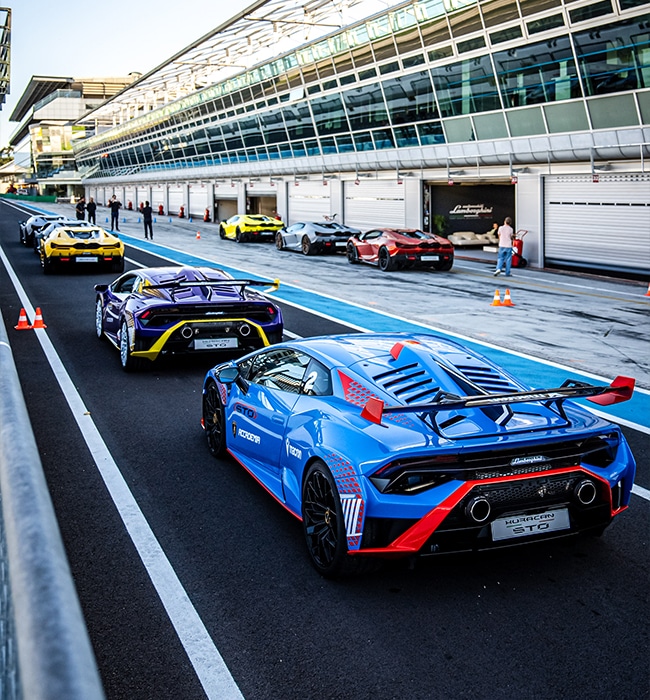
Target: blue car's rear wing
x,y
619,390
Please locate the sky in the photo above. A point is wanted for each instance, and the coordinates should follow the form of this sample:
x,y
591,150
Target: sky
x,y
82,40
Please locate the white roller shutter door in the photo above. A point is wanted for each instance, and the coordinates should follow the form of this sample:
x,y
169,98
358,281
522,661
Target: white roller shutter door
x,y
199,201
374,203
157,197
605,223
142,194
308,201
129,196
176,195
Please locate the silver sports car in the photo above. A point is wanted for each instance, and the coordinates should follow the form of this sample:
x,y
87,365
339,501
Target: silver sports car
x,y
313,237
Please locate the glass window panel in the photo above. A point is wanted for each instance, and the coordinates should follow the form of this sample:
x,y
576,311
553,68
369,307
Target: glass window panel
x,y
598,9
365,107
328,145
466,87
298,121
408,41
565,117
298,149
466,22
435,32
389,68
343,63
412,61
478,42
540,72
329,115
232,136
505,34
274,152
285,150
362,56
627,4
402,18
313,89
330,84
378,27
344,143
644,106
498,12
365,74
615,57
612,112
325,68
348,79
251,132
459,130
441,52
273,127
406,136
431,133
383,138
294,78
262,154
490,126
526,122
313,149
410,98
363,141
535,26
532,7
384,49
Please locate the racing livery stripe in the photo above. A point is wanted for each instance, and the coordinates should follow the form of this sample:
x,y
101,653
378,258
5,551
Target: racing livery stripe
x,y
352,514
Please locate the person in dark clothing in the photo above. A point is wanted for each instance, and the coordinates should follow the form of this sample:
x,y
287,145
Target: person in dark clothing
x,y
80,209
115,205
148,221
91,208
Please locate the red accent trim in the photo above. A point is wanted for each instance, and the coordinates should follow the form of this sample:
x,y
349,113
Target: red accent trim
x,y
621,389
411,541
373,410
284,505
396,350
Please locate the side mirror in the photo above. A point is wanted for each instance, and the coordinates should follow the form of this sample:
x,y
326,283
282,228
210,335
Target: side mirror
x,y
230,374
101,288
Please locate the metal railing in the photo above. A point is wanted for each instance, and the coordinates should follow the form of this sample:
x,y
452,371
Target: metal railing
x,y
45,631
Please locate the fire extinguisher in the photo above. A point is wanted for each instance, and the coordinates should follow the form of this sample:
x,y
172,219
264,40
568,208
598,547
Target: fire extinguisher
x,y
161,210
129,206
181,213
206,216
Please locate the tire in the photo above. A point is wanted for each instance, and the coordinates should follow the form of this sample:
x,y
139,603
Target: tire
x,y
522,262
279,241
352,254
324,526
385,262
129,363
46,264
306,246
214,420
99,318
222,232
443,265
239,236
117,265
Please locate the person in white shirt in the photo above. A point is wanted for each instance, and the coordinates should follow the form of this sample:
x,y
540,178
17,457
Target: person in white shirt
x,y
506,236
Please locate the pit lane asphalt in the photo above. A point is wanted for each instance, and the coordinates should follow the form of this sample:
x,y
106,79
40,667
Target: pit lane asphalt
x,y
543,621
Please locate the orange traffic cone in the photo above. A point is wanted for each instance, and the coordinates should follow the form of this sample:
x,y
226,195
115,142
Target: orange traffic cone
x,y
648,292
507,301
38,319
23,323
198,235
497,299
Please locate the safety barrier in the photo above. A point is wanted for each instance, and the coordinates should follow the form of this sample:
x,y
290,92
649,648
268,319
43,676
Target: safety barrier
x,y
55,658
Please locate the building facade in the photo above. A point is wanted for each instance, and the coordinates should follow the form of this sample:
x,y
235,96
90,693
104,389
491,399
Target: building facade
x,y
436,114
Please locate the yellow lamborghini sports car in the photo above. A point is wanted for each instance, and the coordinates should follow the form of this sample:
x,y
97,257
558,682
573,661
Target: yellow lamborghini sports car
x,y
69,246
250,227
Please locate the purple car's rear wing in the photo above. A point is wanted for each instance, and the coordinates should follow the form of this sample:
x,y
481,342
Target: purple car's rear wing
x,y
619,390
180,284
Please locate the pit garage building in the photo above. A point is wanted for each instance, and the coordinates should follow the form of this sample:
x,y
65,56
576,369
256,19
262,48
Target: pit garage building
x,y
436,114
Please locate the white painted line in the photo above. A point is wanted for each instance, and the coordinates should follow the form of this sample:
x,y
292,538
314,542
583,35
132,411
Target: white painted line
x,y
208,663
640,491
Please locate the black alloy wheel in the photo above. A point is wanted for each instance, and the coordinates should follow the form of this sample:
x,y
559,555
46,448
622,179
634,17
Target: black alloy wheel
x,y
239,236
214,417
352,254
279,241
443,265
386,263
222,232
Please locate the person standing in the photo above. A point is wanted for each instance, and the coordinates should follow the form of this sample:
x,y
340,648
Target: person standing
x,y
115,205
147,217
506,236
91,208
80,208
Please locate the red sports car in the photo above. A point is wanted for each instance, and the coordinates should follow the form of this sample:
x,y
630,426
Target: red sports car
x,y
392,249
